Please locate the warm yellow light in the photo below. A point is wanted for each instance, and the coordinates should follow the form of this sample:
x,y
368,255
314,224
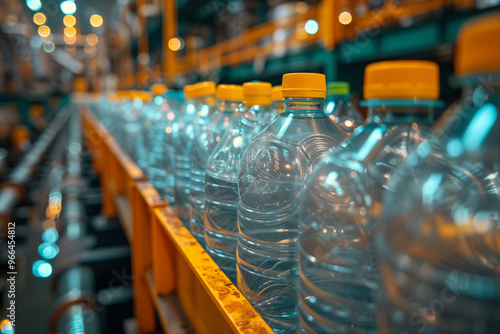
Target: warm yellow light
x,y
70,40
96,20
43,31
89,49
39,18
345,18
92,39
69,20
70,32
174,44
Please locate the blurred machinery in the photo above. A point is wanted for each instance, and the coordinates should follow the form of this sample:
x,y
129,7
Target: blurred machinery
x,y
54,200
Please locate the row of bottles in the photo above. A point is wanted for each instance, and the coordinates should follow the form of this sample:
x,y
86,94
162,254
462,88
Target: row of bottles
x,y
327,224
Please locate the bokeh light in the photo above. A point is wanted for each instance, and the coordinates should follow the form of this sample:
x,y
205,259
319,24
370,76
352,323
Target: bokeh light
x,y
345,18
42,268
89,49
96,20
70,40
48,251
174,44
69,20
92,39
50,235
39,19
34,5
70,32
311,27
68,7
43,31
6,327
49,47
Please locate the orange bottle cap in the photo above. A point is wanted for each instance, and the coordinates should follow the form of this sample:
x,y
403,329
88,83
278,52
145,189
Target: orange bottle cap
x,y
204,88
304,85
158,89
478,46
402,79
276,93
257,93
230,92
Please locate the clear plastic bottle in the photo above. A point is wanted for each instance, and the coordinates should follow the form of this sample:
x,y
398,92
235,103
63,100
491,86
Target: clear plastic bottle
x,y
210,130
221,186
340,108
183,144
159,115
339,274
439,241
175,101
132,136
145,112
271,187
258,100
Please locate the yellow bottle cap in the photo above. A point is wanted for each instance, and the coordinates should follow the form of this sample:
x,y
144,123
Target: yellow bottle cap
x,y
304,85
478,46
142,95
204,88
230,92
189,91
402,79
159,89
276,93
257,93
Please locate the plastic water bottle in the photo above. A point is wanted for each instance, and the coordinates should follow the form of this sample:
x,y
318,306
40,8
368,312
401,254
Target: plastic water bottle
x,y
139,150
277,99
439,244
339,273
210,130
271,187
132,135
221,186
340,108
175,101
183,144
258,100
159,120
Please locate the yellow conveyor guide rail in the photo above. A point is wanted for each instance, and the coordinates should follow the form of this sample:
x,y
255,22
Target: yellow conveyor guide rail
x,y
175,280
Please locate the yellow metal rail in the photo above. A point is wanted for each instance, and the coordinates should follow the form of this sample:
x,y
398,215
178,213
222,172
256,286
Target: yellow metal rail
x,y
174,278
260,41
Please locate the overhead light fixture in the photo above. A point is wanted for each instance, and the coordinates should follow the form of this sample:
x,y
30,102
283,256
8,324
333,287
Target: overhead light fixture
x,y
68,7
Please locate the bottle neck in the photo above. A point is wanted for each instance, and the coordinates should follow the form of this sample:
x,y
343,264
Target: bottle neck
x,y
309,106
205,105
402,114
228,106
260,110
339,99
190,106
